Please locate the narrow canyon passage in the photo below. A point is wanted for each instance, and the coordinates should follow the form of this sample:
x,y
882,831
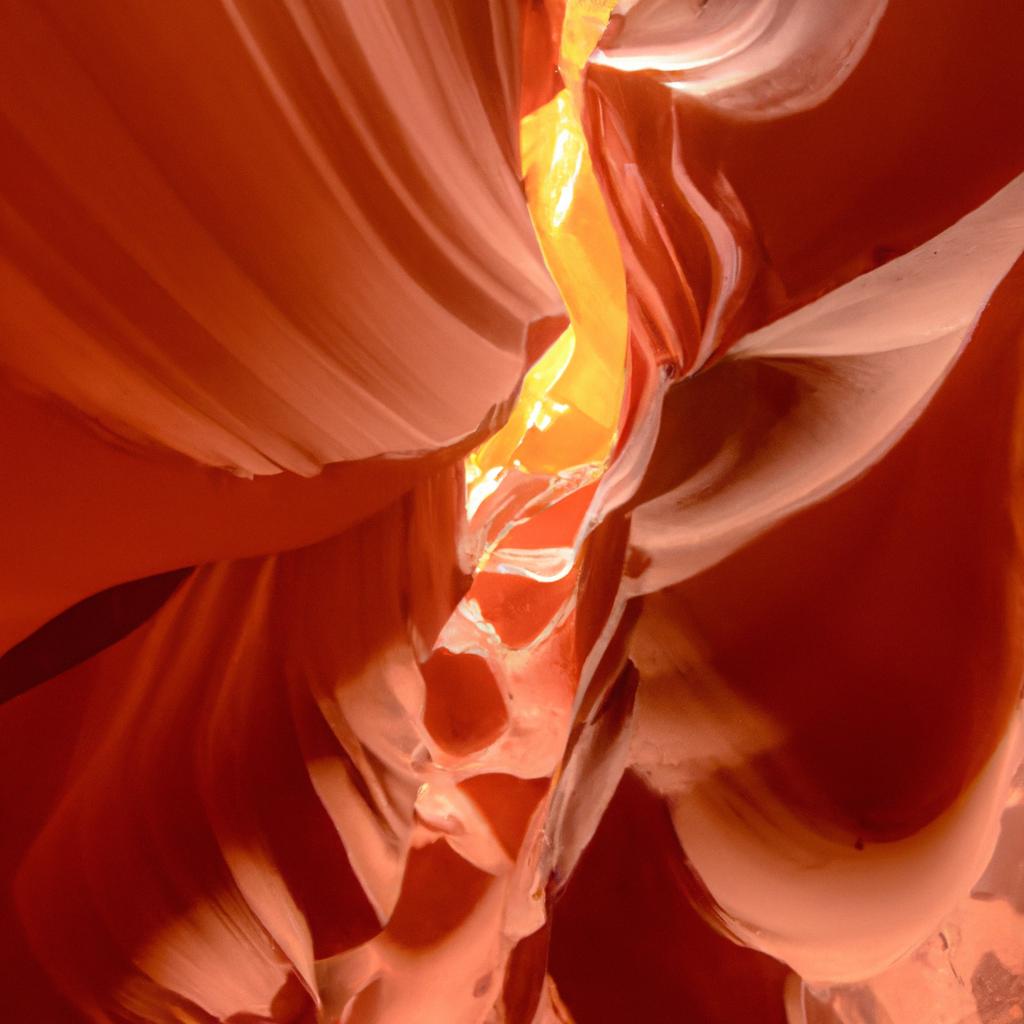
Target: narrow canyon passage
x,y
512,511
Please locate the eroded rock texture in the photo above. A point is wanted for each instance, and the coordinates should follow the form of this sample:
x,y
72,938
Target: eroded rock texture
x,y
511,511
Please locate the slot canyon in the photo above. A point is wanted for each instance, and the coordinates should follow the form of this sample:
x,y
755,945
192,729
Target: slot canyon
x,y
514,511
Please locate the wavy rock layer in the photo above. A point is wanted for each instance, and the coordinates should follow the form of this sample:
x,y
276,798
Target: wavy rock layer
x,y
269,236
693,691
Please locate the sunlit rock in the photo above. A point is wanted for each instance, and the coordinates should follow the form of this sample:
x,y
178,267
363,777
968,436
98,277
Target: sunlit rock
x,y
512,512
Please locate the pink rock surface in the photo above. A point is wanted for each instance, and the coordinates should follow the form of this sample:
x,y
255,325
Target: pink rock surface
x,y
724,728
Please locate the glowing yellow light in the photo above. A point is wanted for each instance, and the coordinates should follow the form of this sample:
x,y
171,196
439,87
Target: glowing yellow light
x,y
584,24
568,408
480,486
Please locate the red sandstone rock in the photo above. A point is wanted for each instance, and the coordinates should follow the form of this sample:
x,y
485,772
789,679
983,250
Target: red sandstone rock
x,y
719,727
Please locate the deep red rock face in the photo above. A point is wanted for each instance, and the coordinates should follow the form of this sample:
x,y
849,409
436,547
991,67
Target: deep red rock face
x,y
512,511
